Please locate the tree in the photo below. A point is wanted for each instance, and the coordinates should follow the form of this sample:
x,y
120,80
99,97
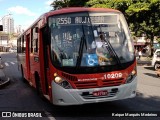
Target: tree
x,y
158,40
60,4
121,5
144,18
68,3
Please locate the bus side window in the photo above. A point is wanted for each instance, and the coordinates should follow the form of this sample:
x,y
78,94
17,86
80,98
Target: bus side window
x,y
23,49
19,45
34,43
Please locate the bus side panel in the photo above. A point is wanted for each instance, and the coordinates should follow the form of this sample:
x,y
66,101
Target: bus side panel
x,y
42,66
21,62
22,52
34,67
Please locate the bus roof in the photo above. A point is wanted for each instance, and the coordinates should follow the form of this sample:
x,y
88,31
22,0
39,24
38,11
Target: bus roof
x,y
79,9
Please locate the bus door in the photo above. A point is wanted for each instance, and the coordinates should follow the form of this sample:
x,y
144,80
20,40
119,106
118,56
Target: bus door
x,y
36,80
44,56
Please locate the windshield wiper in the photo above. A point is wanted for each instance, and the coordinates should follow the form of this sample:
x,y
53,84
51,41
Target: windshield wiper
x,y
112,52
80,52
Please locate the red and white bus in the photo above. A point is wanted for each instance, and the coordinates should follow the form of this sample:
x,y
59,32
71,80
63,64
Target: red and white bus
x,y
79,55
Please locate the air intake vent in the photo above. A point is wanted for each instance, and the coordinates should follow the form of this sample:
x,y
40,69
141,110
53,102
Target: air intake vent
x,y
95,84
69,77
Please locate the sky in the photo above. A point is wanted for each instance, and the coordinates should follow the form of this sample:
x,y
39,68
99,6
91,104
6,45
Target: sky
x,y
24,12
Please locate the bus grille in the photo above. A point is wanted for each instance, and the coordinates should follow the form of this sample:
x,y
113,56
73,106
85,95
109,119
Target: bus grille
x,y
69,77
92,84
98,83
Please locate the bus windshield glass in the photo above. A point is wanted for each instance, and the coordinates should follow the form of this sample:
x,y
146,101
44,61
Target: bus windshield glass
x,y
90,39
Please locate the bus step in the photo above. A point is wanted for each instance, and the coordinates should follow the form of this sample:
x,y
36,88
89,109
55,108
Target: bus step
x,y
47,97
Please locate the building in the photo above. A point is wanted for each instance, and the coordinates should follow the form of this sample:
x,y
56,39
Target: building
x,y
4,39
18,29
140,43
8,24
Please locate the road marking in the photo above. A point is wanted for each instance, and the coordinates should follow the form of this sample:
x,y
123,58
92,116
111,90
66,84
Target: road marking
x,y
12,63
6,64
49,115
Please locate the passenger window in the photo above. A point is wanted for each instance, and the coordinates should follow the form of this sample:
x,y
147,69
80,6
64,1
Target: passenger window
x,y
34,42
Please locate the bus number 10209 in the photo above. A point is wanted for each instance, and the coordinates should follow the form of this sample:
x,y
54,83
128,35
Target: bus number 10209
x,y
113,75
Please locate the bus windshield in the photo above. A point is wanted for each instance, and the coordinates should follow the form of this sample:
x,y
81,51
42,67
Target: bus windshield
x,y
90,39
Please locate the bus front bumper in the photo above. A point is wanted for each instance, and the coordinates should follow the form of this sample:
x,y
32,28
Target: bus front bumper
x,y
61,96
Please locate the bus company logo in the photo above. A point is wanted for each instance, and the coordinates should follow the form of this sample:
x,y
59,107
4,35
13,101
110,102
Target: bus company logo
x,y
6,114
19,114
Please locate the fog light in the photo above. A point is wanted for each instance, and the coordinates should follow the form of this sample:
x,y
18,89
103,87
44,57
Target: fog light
x,y
61,101
66,85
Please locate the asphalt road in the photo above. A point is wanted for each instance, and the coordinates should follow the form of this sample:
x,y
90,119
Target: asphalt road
x,y
19,96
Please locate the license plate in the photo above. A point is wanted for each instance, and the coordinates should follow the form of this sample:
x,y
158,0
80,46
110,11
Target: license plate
x,y
100,93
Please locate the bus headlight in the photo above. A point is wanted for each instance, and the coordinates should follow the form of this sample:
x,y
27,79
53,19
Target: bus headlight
x,y
65,84
58,80
131,76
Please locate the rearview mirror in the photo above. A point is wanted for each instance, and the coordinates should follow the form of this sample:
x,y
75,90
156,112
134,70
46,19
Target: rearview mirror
x,y
1,27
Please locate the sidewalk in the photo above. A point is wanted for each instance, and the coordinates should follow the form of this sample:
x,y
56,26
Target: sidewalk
x,y
144,61
3,79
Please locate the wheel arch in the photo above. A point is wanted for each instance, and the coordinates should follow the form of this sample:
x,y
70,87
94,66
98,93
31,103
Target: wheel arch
x,y
38,84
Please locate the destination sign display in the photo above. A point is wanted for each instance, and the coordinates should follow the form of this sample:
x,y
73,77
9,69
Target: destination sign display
x,y
85,20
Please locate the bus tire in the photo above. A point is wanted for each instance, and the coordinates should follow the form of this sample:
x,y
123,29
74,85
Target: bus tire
x,y
38,85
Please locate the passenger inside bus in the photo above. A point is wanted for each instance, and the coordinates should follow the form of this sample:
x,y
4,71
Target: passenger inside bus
x,y
99,47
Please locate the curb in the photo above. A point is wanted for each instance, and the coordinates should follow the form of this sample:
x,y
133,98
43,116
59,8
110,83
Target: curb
x,y
6,82
143,64
147,63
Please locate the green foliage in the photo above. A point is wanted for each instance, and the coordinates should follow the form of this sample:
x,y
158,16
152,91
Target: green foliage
x,y
145,16
68,3
158,39
60,4
136,8
116,4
